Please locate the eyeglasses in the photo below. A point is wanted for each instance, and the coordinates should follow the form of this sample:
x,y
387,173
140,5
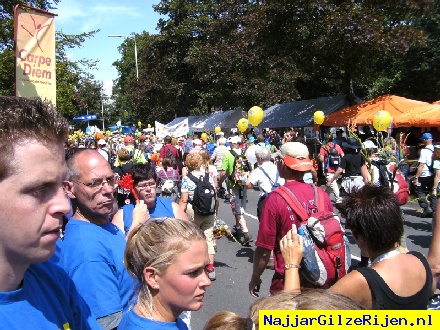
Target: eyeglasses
x,y
150,185
99,184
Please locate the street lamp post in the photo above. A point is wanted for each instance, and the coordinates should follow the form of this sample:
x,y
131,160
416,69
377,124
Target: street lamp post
x,y
102,109
135,49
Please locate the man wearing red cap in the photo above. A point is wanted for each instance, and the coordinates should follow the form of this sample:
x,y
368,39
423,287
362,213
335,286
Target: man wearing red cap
x,y
277,217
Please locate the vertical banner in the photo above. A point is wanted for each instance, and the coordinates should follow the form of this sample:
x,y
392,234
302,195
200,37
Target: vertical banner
x,y
34,33
161,130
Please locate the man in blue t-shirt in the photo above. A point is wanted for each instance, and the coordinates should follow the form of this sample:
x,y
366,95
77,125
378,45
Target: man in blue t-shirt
x,y
34,293
92,252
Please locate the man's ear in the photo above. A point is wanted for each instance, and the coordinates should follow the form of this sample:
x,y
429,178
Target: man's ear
x,y
68,188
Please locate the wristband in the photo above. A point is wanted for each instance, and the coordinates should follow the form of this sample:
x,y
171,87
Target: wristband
x,y
288,266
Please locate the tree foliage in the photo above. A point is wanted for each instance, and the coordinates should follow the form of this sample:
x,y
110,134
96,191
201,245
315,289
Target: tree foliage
x,y
228,53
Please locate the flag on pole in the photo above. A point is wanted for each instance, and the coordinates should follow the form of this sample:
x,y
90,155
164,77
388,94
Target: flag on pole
x,y
34,34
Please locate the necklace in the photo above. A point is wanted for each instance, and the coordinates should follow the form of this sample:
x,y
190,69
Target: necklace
x,y
386,255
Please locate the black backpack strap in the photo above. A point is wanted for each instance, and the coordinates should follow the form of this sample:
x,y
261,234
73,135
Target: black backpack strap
x,y
206,177
233,153
193,178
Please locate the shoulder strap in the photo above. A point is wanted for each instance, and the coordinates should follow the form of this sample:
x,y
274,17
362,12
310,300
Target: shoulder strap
x,y
233,153
292,201
206,177
267,175
193,178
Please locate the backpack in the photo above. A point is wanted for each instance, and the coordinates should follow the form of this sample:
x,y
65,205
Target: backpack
x,y
326,256
333,158
240,170
390,176
169,153
400,186
204,195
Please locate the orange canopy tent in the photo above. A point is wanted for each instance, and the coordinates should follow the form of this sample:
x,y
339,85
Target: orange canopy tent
x,y
362,114
425,116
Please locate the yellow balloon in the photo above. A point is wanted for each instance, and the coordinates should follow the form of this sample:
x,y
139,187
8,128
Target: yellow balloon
x,y
381,120
139,124
108,133
217,129
125,113
255,115
203,136
149,126
139,134
318,117
242,124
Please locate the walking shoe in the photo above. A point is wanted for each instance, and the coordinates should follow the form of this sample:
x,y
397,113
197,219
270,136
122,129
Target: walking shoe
x,y
247,239
211,274
427,213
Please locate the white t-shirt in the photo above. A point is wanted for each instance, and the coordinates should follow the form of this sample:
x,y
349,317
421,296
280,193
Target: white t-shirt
x,y
257,177
426,158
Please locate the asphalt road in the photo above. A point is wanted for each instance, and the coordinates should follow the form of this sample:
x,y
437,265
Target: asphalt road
x,y
233,262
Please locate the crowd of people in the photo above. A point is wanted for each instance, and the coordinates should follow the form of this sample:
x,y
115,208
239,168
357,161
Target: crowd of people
x,y
80,250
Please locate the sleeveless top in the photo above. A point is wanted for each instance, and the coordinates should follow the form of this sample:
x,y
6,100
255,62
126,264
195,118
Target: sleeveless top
x,y
163,208
385,298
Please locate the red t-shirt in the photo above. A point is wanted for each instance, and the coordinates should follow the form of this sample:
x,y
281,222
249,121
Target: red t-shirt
x,y
277,219
324,152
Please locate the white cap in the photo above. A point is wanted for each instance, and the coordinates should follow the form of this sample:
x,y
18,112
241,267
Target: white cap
x,y
235,139
102,142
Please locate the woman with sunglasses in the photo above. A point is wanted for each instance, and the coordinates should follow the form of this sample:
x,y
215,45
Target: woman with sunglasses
x,y
168,259
149,205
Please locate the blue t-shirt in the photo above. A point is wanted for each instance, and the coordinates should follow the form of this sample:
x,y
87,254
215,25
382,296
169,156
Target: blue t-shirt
x,y
47,299
93,256
131,320
163,208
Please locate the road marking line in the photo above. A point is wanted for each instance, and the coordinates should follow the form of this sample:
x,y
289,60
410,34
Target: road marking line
x,y
250,215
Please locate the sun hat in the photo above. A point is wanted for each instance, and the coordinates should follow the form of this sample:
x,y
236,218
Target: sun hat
x,y
251,139
351,143
235,139
426,136
101,142
368,144
296,156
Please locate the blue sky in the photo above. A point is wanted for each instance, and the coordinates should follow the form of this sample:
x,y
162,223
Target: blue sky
x,y
111,17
